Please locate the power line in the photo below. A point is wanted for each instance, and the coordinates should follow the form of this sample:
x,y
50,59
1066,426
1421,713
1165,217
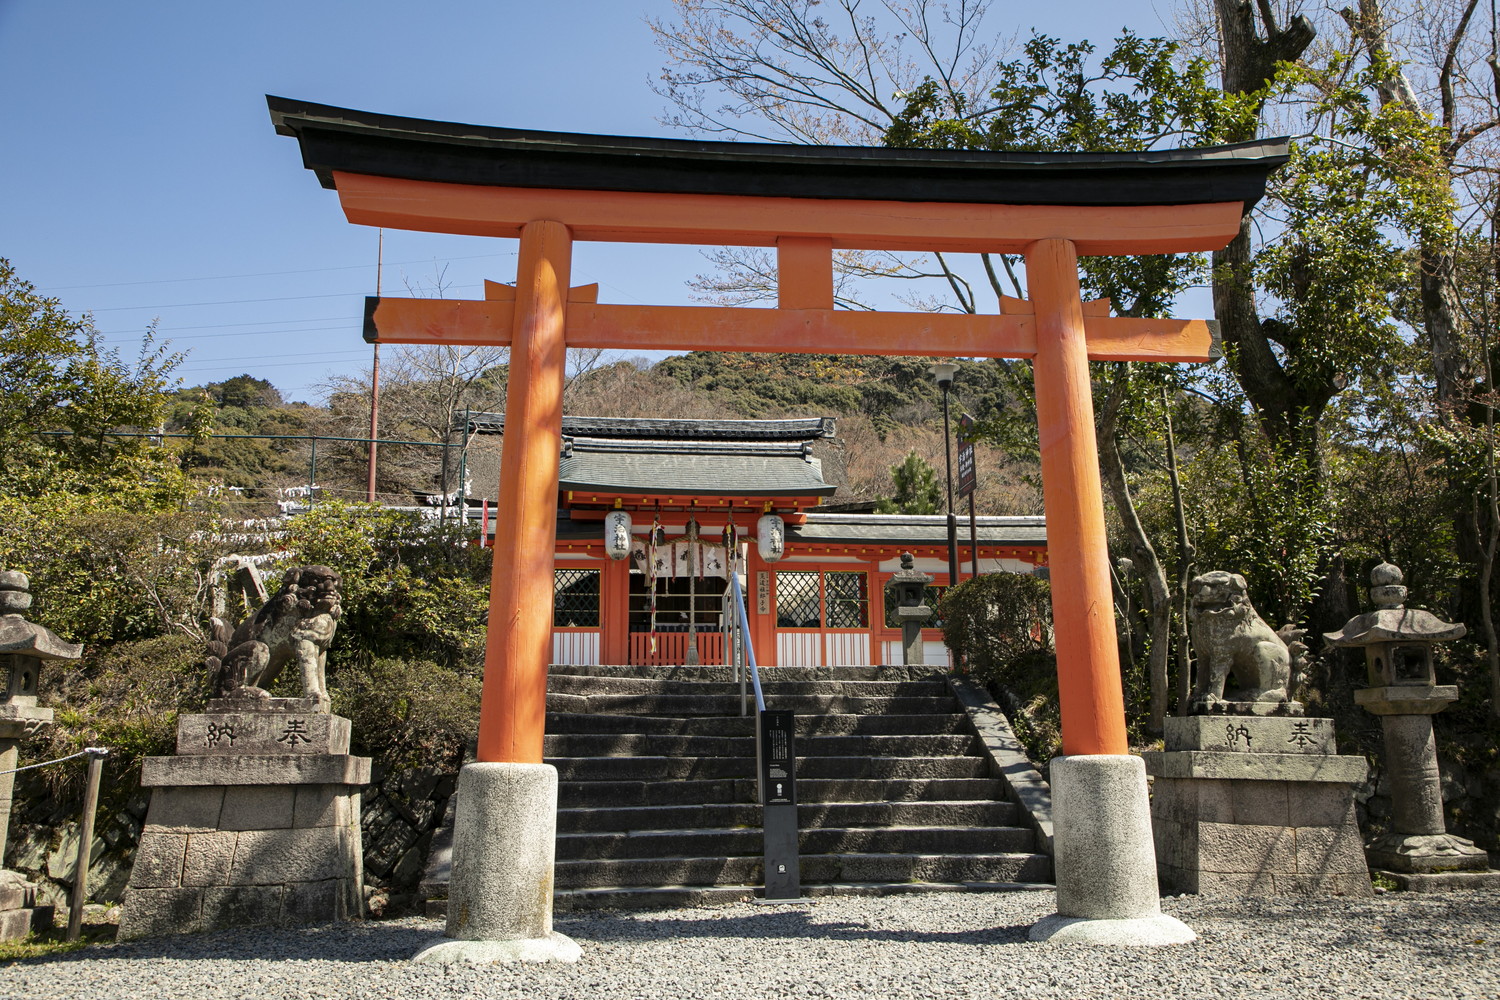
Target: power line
x,y
169,336
265,274
226,302
221,326
281,364
240,302
252,357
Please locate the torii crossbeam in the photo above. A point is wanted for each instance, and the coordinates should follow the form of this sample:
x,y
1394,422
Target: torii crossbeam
x,y
551,189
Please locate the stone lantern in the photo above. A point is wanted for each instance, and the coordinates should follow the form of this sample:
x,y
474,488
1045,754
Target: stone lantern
x,y
909,585
24,647
1404,692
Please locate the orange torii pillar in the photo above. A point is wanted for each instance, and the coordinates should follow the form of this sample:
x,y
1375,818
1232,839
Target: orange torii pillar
x,y
1104,849
505,826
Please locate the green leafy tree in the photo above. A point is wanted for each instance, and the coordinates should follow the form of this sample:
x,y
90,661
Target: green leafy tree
x,y
1065,97
411,588
917,490
61,396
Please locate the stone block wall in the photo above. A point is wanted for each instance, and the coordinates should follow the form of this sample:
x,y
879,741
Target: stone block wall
x,y
400,812
1245,804
247,854
1257,837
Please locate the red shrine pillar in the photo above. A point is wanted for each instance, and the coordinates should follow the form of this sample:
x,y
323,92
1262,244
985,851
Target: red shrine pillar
x,y
513,704
1104,857
1088,665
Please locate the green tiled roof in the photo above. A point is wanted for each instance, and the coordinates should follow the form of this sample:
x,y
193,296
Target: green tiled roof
x,y
915,529
755,468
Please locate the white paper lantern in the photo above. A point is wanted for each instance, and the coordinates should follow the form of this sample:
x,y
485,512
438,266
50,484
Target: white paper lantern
x,y
770,537
617,534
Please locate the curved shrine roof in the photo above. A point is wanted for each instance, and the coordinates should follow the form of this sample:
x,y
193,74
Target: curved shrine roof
x,y
915,529
672,428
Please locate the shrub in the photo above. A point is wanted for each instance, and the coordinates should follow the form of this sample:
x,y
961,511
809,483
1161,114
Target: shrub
x,y
996,618
409,713
1000,626
125,698
410,588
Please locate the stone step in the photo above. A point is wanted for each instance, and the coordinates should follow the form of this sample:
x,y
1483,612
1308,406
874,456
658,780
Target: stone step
x,y
726,705
600,794
810,815
594,769
823,724
679,896
647,745
775,691
816,868
657,792
927,840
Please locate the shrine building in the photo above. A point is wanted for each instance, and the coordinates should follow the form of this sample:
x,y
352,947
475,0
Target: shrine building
x,y
653,514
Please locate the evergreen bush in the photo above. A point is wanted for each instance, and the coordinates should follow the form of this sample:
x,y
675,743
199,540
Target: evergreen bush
x,y
999,626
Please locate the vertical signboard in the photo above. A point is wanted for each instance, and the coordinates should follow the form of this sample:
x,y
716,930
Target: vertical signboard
x,y
777,751
967,480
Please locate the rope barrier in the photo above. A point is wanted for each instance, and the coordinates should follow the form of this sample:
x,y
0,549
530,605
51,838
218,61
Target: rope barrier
x,y
85,752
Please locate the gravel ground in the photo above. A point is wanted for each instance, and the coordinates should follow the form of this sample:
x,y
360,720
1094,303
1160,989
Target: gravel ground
x,y
938,945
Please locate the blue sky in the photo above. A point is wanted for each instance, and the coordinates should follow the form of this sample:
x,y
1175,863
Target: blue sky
x,y
143,179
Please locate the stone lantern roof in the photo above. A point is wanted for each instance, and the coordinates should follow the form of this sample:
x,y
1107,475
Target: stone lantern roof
x,y
1392,621
1395,625
19,636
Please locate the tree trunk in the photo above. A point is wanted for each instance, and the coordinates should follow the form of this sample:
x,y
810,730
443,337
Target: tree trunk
x,y
1158,599
1437,276
1287,412
1185,554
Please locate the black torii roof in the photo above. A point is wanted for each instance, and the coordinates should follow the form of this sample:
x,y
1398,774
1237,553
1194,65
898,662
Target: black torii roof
x,y
362,142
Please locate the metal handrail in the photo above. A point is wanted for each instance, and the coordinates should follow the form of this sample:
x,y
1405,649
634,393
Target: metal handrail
x,y
743,646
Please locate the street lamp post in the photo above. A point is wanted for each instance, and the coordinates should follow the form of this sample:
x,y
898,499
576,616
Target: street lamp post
x,y
943,373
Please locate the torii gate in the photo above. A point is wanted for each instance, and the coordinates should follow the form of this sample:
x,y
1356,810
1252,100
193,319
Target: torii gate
x,y
550,189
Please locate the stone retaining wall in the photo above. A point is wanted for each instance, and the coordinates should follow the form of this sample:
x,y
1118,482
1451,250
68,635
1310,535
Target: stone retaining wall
x,y
400,813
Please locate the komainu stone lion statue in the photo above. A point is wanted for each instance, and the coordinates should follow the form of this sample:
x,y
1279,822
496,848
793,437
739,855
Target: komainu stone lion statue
x,y
1231,639
295,626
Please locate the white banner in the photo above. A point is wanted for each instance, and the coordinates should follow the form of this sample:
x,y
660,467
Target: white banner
x,y
681,558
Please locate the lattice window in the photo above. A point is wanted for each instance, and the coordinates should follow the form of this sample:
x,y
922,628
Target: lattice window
x,y
575,598
846,600
797,603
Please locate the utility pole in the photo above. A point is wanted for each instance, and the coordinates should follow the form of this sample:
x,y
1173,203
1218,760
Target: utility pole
x,y
375,376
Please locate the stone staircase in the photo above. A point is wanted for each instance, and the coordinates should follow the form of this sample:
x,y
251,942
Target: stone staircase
x,y
657,798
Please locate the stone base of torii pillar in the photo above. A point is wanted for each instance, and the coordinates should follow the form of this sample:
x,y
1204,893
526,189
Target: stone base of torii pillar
x,y
1105,860
500,895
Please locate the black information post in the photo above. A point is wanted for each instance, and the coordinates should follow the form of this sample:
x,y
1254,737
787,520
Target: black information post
x,y
776,748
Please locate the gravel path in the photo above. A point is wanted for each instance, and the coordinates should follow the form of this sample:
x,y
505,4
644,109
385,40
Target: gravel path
x,y
939,945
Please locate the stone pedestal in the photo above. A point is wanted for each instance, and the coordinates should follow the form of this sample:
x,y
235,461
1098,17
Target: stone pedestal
x,y
1418,842
913,620
909,586
19,914
1247,804
255,821
500,895
1106,877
